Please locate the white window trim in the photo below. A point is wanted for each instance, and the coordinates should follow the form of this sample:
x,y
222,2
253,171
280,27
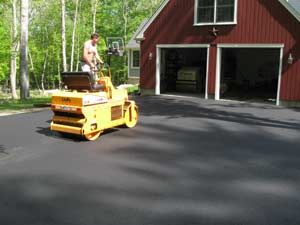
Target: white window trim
x,y
218,64
234,22
131,58
158,62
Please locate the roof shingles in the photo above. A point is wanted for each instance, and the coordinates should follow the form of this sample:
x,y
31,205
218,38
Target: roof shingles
x,y
295,4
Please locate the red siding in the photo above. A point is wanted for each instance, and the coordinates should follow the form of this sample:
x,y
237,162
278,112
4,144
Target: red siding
x,y
258,22
212,69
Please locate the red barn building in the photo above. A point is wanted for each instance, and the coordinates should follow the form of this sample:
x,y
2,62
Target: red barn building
x,y
244,49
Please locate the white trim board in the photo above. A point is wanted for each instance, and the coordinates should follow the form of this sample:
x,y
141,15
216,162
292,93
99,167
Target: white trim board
x,y
183,45
279,77
218,64
131,58
234,22
250,45
158,62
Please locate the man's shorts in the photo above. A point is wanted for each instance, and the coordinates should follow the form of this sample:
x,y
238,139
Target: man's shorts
x,y
85,67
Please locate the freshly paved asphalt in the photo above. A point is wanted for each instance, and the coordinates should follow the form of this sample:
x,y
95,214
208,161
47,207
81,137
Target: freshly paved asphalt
x,y
189,161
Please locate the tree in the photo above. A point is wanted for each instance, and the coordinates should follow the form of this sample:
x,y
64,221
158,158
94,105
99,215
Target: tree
x,y
73,36
5,46
24,76
94,11
14,50
45,61
50,36
63,34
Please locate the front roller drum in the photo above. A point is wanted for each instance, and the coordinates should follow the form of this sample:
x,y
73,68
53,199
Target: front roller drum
x,y
92,136
131,116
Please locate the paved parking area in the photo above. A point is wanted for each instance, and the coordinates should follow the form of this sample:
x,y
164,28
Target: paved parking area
x,y
189,161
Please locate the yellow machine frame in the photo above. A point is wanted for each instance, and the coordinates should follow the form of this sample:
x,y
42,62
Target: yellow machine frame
x,y
87,112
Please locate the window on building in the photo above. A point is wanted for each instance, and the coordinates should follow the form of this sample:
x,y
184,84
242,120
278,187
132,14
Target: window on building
x,y
215,11
135,59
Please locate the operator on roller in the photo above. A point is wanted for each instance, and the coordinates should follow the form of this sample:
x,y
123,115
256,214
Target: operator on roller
x,y
89,59
90,54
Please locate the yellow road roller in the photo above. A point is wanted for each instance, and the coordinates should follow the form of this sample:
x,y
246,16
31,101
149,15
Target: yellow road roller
x,y
88,106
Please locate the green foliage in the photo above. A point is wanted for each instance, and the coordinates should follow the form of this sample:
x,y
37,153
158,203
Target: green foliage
x,y
45,34
5,44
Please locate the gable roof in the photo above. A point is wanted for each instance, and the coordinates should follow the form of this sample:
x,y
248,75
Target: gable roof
x,y
133,42
140,35
293,6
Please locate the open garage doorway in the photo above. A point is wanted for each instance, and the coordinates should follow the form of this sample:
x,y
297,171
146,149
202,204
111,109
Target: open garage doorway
x,y
250,74
183,70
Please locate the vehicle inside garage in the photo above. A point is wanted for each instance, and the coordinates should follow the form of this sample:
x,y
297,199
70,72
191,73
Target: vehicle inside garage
x,y
183,70
249,74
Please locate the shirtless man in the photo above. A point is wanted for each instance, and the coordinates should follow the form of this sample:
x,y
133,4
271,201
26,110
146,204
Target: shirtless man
x,y
90,54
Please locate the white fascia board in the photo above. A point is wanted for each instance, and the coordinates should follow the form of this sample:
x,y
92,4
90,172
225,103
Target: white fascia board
x,y
140,35
290,9
250,45
182,45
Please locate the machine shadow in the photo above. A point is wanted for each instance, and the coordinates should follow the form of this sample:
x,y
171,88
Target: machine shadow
x,y
67,136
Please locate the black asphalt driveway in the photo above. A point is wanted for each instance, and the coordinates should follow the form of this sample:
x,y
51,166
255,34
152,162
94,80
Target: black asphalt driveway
x,y
189,161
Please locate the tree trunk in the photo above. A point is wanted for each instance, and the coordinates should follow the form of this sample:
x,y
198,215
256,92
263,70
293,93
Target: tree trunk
x,y
43,73
24,76
79,46
32,69
73,36
14,50
78,53
5,86
63,34
125,17
94,14
58,71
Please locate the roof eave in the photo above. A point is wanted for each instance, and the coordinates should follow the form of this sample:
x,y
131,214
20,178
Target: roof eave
x,y
140,35
290,9
140,38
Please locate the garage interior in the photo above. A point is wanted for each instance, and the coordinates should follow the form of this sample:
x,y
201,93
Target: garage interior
x,y
183,70
249,74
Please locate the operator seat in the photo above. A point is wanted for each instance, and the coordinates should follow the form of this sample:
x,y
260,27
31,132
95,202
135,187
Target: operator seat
x,y
80,81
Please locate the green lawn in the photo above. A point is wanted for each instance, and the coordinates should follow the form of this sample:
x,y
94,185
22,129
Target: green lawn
x,y
133,89
36,100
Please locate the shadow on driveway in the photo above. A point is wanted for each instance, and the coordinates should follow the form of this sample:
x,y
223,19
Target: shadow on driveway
x,y
244,113
187,162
